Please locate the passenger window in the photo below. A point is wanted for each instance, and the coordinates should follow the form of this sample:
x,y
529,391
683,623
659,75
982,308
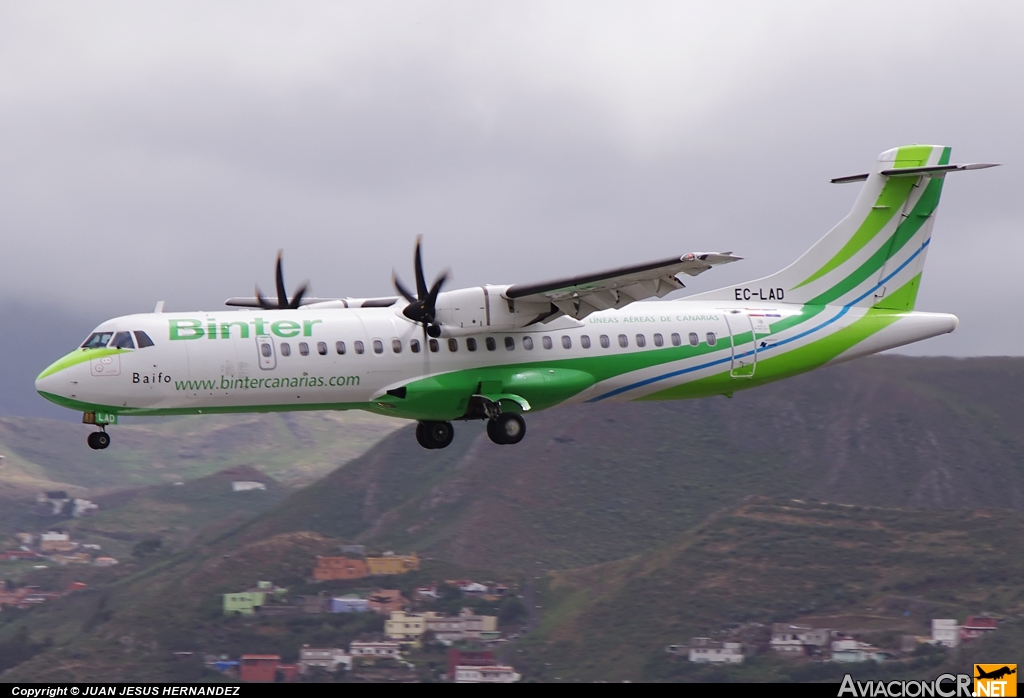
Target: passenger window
x,y
378,346
510,343
712,339
396,346
623,341
303,348
585,341
142,339
546,341
605,341
491,344
528,343
470,344
123,340
286,349
694,339
453,345
321,348
659,341
358,345
641,341
566,341
676,339
414,346
266,350
97,340
339,347
434,346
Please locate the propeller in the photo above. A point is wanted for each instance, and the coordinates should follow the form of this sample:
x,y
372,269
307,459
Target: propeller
x,y
422,307
282,302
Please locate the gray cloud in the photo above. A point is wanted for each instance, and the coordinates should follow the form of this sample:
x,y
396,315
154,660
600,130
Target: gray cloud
x,y
166,151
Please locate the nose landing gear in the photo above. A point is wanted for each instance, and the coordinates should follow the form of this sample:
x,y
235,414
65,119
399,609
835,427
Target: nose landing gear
x,y
506,429
98,440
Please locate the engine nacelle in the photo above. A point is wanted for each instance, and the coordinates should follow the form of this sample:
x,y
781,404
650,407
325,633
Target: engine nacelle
x,y
484,309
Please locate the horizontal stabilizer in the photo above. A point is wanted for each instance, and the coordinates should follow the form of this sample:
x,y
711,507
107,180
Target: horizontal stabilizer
x,y
918,171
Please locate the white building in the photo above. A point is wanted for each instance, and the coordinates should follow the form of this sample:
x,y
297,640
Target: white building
x,y
703,650
375,649
945,632
798,639
854,651
328,659
486,674
246,485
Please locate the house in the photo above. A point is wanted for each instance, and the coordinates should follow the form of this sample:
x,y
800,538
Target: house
x,y
82,507
246,486
328,568
52,502
19,555
473,588
486,674
465,626
390,650
56,542
945,632
427,593
314,603
259,668
105,561
468,658
385,601
976,626
349,604
390,563
793,640
244,603
328,659
26,538
704,650
850,650
407,628
71,558
352,549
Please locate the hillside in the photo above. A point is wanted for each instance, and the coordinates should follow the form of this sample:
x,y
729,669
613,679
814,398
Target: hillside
x,y
858,569
293,448
602,482
662,520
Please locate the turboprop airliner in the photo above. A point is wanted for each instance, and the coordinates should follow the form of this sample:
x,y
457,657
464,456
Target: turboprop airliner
x,y
497,353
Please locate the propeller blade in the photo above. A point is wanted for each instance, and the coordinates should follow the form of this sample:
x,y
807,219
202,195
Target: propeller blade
x,y
297,298
421,281
430,301
263,302
400,287
282,294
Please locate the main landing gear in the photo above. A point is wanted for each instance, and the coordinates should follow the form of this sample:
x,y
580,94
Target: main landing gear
x,y
98,440
434,434
506,429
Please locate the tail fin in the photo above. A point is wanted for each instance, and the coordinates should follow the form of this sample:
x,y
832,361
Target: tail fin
x,y
874,256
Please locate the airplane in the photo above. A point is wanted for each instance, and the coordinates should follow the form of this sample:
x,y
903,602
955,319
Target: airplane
x,y
994,674
496,353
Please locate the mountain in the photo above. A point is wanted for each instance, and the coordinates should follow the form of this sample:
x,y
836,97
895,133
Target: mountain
x,y
601,482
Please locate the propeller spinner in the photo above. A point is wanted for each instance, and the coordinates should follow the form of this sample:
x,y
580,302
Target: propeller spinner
x,y
282,303
422,306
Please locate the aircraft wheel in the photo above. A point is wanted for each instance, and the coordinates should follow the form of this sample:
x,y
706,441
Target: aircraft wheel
x,y
98,440
434,434
506,429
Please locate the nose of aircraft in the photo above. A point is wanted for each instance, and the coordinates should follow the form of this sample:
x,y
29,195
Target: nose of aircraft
x,y
56,380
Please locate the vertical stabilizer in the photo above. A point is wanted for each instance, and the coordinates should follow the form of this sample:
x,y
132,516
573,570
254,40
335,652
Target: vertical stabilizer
x,y
875,255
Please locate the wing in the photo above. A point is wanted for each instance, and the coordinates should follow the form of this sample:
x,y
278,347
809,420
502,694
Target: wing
x,y
580,296
384,302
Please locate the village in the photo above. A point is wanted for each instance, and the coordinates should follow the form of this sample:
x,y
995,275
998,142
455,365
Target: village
x,y
468,639
826,644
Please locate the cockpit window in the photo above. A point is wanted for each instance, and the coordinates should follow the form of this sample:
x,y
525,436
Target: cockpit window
x,y
97,340
123,340
142,339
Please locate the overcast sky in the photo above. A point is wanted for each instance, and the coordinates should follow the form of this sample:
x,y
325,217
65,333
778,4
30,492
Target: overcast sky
x,y
166,150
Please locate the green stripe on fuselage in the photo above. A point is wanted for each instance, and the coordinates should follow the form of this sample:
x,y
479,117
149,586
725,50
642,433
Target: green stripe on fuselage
x,y
76,357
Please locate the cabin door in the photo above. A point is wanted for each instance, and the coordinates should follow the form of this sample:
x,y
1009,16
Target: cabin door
x,y
744,344
266,352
